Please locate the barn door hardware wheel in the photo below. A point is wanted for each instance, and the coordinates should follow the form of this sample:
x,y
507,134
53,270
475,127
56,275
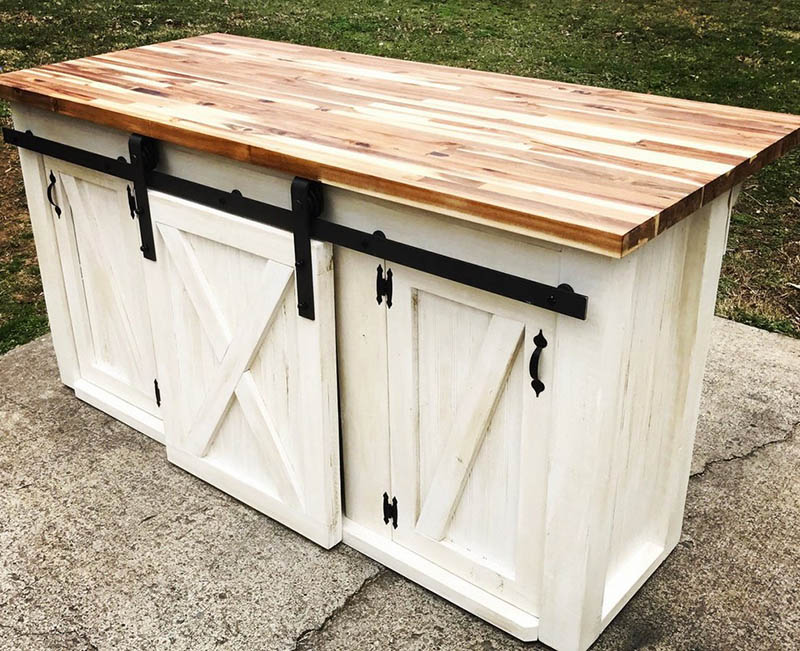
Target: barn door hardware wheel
x,y
50,187
389,510
540,342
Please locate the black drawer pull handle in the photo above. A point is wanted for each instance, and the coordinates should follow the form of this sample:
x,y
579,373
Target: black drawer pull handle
x,y
536,383
50,194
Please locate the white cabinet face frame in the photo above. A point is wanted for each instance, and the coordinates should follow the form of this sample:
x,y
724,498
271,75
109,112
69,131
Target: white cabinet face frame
x,y
108,306
249,387
363,404
468,433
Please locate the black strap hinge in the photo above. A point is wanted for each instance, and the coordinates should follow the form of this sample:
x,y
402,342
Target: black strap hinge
x,y
389,510
383,286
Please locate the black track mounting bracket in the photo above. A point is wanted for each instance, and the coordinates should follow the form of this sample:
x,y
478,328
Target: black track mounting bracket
x,y
144,158
306,205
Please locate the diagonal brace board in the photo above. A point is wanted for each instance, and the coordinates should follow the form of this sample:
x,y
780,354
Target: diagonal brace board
x,y
561,299
239,356
469,424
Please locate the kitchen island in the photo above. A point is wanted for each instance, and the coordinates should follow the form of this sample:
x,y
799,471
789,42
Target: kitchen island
x,y
455,319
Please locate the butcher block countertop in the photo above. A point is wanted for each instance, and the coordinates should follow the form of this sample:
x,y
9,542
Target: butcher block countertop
x,y
597,169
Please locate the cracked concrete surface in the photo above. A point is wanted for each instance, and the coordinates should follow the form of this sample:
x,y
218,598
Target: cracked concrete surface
x,y
105,545
751,392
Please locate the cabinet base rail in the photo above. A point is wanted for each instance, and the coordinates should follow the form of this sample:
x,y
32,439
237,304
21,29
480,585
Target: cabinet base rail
x,y
302,220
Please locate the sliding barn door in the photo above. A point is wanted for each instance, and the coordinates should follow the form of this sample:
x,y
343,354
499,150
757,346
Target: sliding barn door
x,y
468,432
248,386
98,246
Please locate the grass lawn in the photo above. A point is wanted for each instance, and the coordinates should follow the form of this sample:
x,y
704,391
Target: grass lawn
x,y
740,52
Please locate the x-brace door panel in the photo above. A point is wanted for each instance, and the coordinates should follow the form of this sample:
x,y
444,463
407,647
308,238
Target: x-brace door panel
x,y
108,308
248,386
469,432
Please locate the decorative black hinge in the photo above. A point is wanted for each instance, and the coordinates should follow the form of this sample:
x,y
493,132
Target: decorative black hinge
x,y
383,286
157,392
389,510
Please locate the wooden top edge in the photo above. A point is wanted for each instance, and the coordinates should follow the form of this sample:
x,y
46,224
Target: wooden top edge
x,y
593,240
606,239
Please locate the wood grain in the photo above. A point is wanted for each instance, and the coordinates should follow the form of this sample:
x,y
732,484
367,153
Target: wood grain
x,y
598,169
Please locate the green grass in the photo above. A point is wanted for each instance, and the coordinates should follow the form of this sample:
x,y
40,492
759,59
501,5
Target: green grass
x,y
740,52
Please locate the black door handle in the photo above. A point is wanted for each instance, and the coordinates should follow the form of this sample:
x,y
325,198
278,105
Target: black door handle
x,y
50,194
533,367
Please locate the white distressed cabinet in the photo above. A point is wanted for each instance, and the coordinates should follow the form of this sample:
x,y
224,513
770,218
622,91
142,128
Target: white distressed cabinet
x,y
457,320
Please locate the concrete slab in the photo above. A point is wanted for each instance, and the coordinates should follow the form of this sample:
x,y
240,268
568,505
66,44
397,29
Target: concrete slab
x,y
105,545
751,392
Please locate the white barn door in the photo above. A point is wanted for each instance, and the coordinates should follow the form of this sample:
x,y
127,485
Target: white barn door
x,y
468,433
103,269
248,386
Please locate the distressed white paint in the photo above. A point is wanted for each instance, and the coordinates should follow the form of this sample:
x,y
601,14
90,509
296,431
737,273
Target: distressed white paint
x,y
249,387
462,414
100,305
541,515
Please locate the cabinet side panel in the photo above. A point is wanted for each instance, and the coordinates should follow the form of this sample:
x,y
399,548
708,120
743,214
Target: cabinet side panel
x,y
588,389
707,242
665,367
652,378
624,424
49,265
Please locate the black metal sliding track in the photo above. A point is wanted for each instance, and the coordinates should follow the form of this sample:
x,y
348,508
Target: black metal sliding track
x,y
303,220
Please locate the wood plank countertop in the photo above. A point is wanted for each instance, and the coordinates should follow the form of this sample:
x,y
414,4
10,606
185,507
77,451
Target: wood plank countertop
x,y
597,169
